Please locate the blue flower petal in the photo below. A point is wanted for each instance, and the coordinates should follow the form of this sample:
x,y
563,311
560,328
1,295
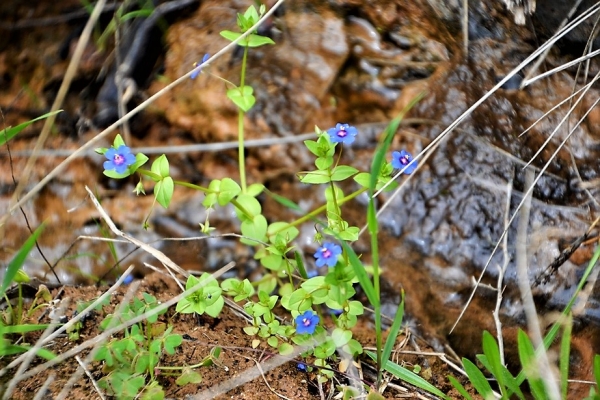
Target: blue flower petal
x,y
342,133
401,159
198,66
307,322
328,254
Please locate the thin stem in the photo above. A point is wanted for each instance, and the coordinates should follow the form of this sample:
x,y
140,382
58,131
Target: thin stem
x,y
192,186
373,229
318,211
241,160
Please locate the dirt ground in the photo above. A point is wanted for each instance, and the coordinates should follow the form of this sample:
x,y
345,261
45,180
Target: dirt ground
x,y
238,359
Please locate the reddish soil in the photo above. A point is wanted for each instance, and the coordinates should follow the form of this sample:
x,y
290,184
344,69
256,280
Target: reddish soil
x,y
237,359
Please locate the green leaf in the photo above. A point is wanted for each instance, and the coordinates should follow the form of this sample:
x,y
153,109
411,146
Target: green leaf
x,y
140,159
251,207
460,388
597,369
242,97
163,191
530,366
284,229
408,376
285,349
227,191
171,342
299,301
300,265
254,40
478,379
565,351
111,173
393,333
283,201
229,35
316,177
341,337
188,375
7,134
160,166
492,353
215,309
361,274
254,229
342,172
324,163
19,259
255,189
273,262
313,147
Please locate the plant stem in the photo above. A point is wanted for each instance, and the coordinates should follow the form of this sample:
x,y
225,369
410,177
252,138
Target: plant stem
x,y
318,211
241,158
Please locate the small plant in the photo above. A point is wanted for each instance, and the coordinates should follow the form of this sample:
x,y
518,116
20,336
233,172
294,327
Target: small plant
x,y
510,386
132,363
14,320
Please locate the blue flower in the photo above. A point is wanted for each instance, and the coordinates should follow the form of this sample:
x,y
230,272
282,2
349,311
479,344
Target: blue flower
x,y
342,133
401,159
198,66
119,159
328,254
128,279
306,322
301,367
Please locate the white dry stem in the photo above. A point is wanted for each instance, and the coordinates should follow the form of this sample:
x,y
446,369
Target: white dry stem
x,y
536,65
501,272
41,393
72,321
468,112
186,148
109,332
160,256
90,144
90,377
248,375
533,323
529,191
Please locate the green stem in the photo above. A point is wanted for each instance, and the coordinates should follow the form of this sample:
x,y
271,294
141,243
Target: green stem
x,y
318,211
192,186
377,307
241,158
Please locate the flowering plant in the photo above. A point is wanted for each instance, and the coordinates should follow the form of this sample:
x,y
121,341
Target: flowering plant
x,y
285,280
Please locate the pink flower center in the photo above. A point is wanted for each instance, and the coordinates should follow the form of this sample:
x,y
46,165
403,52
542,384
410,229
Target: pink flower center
x,y
119,159
306,321
404,160
342,132
325,252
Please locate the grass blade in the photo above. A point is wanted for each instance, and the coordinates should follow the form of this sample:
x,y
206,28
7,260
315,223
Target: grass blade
x,y
527,356
9,133
393,333
478,379
565,352
408,376
17,262
460,388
